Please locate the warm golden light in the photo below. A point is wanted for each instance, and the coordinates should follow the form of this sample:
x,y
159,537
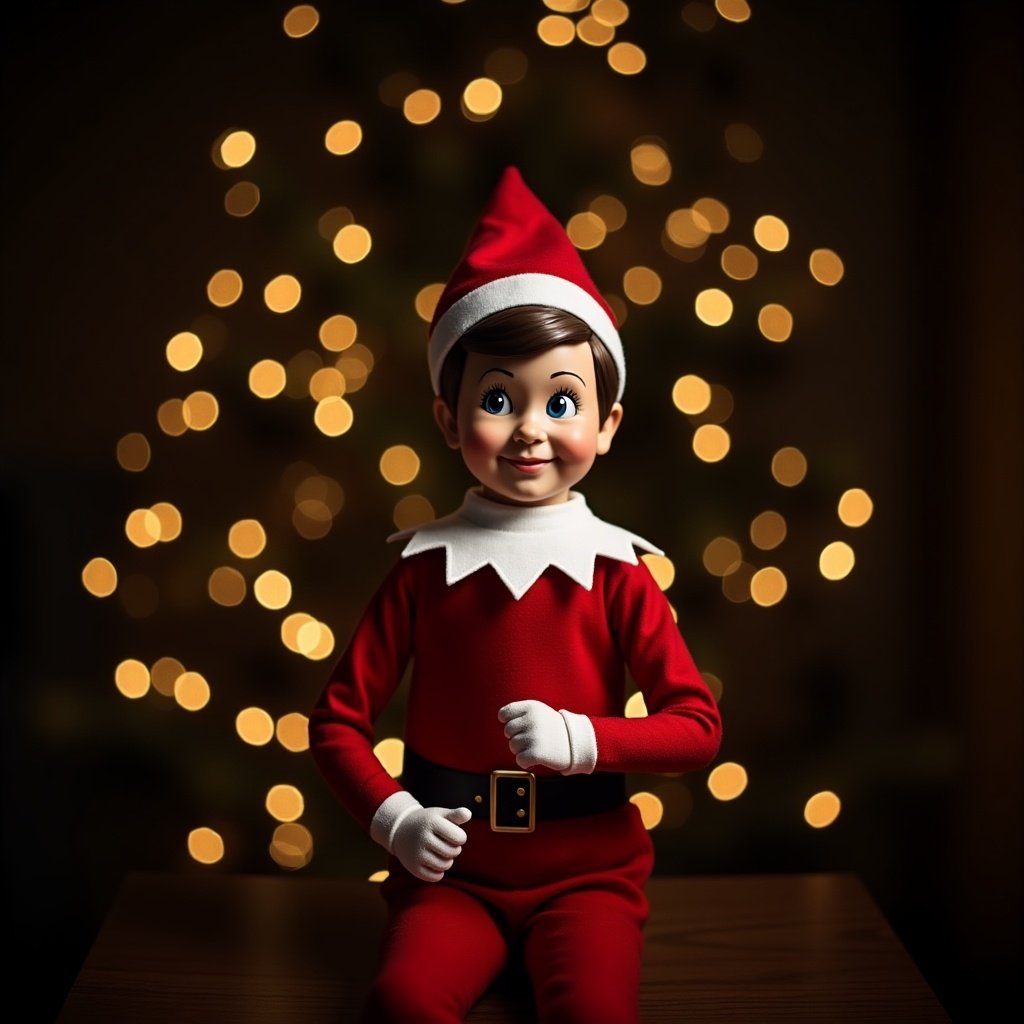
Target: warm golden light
x,y
142,527
771,233
184,351
421,106
331,222
612,211
636,706
586,230
699,16
426,300
224,288
721,405
714,212
291,846
711,442
352,243
293,732
191,691
411,511
610,12
272,589
267,379
322,489
482,97
739,262
99,577
399,465
566,6
855,507
379,876
237,149
291,627
733,10
241,199
285,803
333,416
164,674
556,30
507,65
713,307
743,143
327,382
391,753
226,586
254,726
687,228
300,370
775,322
650,162
836,560
661,568
170,417
282,293
133,452
727,781
200,410
736,586
722,556
324,647
714,684
768,586
338,332
247,538
170,520
300,21
312,519
641,285
768,530
626,58
691,394
593,32
826,267
132,679
205,845
822,809
343,137
789,466
650,807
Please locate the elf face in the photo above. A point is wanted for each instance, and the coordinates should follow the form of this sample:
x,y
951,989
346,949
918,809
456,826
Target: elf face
x,y
528,426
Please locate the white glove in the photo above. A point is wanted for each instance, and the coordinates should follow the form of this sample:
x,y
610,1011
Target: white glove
x,y
425,839
539,735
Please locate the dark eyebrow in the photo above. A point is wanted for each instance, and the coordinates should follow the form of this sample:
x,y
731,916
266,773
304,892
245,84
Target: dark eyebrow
x,y
562,373
496,369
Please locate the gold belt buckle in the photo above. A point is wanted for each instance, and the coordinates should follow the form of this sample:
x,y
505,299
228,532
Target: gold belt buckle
x,y
518,790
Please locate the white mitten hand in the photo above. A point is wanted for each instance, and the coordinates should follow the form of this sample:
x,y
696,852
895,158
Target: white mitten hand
x,y
537,734
425,839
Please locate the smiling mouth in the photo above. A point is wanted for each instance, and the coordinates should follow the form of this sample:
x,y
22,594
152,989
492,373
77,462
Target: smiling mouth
x,y
526,465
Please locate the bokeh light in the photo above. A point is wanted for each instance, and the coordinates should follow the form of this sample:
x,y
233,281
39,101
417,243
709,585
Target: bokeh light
x,y
789,466
282,293
391,754
836,560
272,589
411,511
254,726
293,732
267,378
284,802
226,586
200,410
661,568
191,691
224,288
826,267
352,243
727,781
343,137
626,58
333,416
184,351
711,442
722,556
636,706
242,198
691,394
641,285
586,230
132,678
768,530
739,262
771,233
247,538
421,106
713,307
556,30
133,452
291,846
650,163
300,21
733,10
235,149
205,845
481,98
822,809
164,673
399,465
142,527
775,322
99,577
650,807
338,332
768,586
855,507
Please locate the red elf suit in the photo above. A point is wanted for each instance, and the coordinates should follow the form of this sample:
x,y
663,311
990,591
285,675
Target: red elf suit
x,y
504,606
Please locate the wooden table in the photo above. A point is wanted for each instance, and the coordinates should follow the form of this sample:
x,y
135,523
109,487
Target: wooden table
x,y
255,950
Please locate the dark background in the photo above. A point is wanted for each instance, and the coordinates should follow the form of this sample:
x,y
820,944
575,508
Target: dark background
x,y
892,136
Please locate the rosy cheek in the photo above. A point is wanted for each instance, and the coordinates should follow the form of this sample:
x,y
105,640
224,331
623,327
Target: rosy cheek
x,y
481,439
578,444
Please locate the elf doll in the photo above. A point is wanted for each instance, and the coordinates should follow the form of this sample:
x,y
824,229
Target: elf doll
x,y
509,828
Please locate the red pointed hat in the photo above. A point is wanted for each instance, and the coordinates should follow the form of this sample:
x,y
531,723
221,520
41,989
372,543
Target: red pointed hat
x,y
518,255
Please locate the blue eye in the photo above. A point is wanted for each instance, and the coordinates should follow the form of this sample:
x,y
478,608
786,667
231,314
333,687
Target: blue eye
x,y
496,401
562,405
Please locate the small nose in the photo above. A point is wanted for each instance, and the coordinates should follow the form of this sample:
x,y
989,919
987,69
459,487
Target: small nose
x,y
529,429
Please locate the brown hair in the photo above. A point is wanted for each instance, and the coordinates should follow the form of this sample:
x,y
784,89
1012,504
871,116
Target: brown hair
x,y
525,331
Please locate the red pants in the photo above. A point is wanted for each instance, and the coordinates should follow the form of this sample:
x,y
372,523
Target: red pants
x,y
579,931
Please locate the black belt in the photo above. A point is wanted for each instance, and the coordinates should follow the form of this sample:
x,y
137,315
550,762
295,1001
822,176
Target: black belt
x,y
513,801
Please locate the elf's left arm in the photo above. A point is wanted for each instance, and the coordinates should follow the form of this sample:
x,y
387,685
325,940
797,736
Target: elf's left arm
x,y
682,729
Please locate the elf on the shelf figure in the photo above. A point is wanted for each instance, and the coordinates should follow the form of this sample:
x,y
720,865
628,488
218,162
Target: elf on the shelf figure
x,y
510,828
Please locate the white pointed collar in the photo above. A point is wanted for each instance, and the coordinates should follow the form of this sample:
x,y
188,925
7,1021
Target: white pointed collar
x,y
520,542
